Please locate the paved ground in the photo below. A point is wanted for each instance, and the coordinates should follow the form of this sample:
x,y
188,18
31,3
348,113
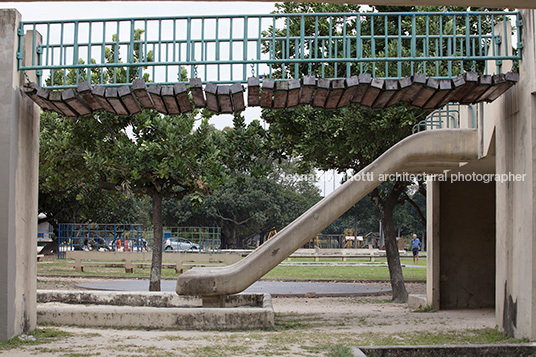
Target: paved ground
x,y
275,288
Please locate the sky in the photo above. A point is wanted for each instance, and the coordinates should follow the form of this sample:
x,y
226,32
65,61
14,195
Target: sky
x,y
100,9
37,11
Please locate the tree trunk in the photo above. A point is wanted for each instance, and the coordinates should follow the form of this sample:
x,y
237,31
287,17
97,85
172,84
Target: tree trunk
x,y
386,208
400,293
232,241
52,247
156,263
356,243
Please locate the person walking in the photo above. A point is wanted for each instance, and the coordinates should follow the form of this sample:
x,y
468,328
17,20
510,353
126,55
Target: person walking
x,y
415,247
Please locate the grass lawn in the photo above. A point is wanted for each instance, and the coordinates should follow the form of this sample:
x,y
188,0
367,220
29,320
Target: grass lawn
x,y
59,267
342,273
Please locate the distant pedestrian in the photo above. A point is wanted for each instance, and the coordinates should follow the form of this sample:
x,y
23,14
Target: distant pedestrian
x,y
415,247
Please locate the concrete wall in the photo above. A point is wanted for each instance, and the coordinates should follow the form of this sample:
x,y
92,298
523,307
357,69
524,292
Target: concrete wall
x,y
508,137
515,145
461,250
19,149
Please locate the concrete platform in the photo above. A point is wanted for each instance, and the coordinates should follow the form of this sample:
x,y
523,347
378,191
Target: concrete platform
x,y
153,310
416,302
274,288
504,350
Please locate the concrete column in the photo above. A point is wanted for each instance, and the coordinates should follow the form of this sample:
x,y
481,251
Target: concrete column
x,y
432,243
19,157
515,135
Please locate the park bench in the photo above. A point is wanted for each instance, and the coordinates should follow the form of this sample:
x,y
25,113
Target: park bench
x,y
130,260
342,254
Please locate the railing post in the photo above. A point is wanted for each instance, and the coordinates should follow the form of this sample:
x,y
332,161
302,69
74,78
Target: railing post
x,y
502,30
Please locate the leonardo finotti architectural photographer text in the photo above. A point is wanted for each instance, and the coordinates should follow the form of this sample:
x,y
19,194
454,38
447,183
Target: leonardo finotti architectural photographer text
x,y
443,177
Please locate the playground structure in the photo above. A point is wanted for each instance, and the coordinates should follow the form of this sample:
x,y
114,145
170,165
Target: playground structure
x,y
495,221
418,151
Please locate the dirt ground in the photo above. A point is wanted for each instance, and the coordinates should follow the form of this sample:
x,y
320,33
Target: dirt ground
x,y
304,326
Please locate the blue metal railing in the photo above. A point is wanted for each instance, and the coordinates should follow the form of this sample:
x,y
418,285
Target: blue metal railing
x,y
225,49
447,117
129,237
98,236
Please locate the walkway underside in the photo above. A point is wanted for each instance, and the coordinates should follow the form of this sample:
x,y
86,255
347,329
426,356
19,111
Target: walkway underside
x,y
417,90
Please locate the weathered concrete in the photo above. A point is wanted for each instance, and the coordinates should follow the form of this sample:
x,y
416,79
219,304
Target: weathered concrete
x,y
514,119
118,298
417,301
521,4
507,136
432,243
467,245
425,147
505,350
19,150
461,240
251,311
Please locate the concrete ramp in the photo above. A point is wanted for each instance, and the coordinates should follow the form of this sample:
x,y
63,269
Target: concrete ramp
x,y
422,150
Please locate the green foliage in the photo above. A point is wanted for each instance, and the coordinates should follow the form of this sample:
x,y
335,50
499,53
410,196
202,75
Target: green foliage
x,y
112,74
146,153
345,139
403,23
339,350
42,335
426,308
243,207
245,148
363,215
341,273
66,192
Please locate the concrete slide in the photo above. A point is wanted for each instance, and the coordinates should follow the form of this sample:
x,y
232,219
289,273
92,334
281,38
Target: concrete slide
x,y
428,151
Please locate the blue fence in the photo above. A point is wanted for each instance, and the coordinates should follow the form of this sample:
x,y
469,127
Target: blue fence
x,y
128,237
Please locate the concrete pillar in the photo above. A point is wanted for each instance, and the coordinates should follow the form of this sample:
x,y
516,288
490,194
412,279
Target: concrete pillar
x,y
432,243
515,145
19,157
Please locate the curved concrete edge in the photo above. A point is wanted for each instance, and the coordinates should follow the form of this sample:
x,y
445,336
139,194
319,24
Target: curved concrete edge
x,y
197,318
442,146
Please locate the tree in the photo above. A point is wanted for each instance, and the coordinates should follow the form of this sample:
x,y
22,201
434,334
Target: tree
x,y
147,154
349,139
248,205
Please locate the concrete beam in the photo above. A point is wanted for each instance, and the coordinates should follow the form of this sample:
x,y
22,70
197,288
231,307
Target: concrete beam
x,y
520,4
19,159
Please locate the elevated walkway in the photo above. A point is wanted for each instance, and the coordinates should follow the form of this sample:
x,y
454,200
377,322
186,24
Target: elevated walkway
x,y
417,90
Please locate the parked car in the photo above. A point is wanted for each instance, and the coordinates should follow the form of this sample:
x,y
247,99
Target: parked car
x,y
179,243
